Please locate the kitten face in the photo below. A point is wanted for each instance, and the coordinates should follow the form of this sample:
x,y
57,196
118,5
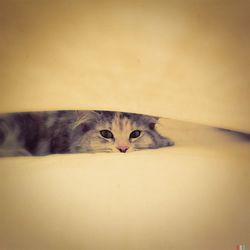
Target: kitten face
x,y
122,134
119,132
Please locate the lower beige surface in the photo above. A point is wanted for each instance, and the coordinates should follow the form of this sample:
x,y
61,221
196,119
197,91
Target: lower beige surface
x,y
191,196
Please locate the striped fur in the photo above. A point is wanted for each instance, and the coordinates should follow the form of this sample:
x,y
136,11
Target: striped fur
x,y
55,132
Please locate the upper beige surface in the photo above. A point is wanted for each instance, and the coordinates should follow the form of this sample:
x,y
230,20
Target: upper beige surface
x,y
182,59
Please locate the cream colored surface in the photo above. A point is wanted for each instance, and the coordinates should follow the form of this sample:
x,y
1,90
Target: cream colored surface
x,y
180,59
191,196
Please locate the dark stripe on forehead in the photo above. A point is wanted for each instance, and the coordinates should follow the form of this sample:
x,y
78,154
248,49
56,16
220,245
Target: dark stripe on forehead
x,y
120,122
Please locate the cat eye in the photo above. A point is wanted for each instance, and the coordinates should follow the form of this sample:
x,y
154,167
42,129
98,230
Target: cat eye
x,y
106,134
135,134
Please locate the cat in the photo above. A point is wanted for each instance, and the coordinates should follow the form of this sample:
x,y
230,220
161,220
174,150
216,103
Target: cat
x,y
54,132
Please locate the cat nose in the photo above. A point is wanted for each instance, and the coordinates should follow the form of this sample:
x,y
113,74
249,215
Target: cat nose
x,y
123,149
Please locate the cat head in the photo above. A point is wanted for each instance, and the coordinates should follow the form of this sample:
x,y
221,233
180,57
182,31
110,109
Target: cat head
x,y
108,131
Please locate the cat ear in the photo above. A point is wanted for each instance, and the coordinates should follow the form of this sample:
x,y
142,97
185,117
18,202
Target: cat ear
x,y
86,113
84,117
80,113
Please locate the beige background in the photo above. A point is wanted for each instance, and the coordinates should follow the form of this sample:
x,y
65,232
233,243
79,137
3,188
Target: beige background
x,y
187,60
181,59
